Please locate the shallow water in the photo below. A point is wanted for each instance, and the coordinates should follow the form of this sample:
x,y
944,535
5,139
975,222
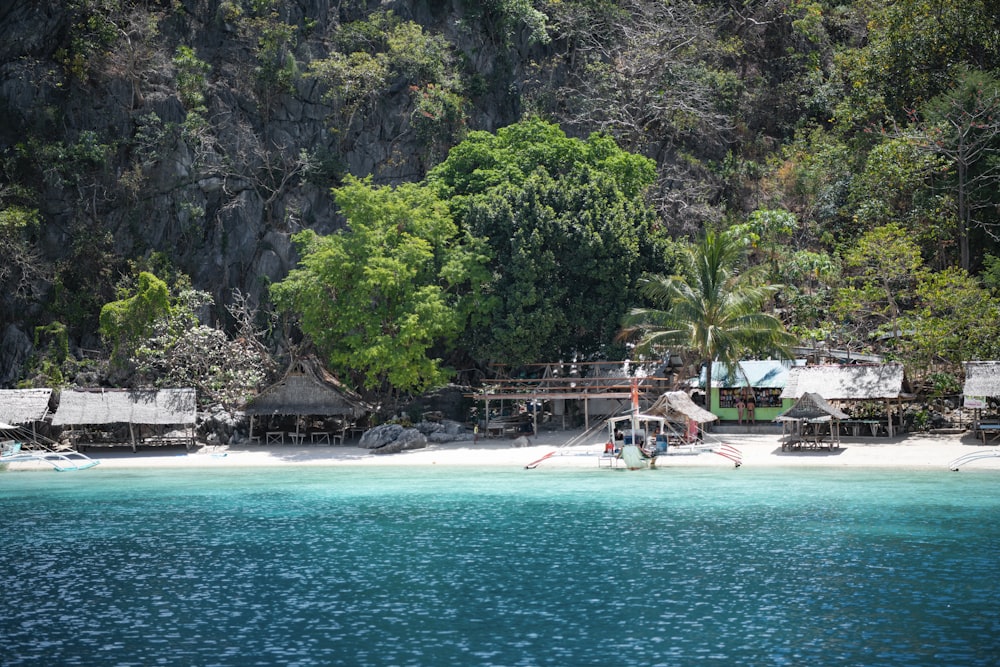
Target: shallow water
x,y
455,566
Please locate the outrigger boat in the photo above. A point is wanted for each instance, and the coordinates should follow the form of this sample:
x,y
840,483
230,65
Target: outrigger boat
x,y
637,440
61,460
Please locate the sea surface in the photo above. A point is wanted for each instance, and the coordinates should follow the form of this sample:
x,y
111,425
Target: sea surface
x,y
440,566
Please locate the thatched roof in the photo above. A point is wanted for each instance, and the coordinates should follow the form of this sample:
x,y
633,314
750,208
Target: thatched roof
x,y
982,379
678,405
126,406
840,383
307,389
811,407
21,406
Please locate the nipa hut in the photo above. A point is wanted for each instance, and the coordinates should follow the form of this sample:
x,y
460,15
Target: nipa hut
x,y
882,383
21,408
982,383
678,407
306,390
808,417
146,412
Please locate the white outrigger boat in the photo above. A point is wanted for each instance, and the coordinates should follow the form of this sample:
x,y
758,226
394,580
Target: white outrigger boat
x,y
638,440
62,460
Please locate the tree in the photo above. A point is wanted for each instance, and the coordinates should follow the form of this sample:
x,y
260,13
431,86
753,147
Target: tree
x,y
377,298
568,234
962,126
880,272
954,319
713,309
127,322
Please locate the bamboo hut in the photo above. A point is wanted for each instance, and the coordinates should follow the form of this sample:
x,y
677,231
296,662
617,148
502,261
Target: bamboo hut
x,y
88,413
804,422
23,407
982,383
883,383
678,408
306,390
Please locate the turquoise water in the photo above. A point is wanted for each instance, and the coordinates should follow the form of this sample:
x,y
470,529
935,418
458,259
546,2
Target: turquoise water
x,y
439,566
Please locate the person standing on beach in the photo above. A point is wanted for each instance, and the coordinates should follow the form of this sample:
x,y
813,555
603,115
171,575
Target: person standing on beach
x,y
740,407
751,404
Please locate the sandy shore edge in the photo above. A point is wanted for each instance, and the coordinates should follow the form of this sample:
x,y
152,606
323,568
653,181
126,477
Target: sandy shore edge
x,y
931,451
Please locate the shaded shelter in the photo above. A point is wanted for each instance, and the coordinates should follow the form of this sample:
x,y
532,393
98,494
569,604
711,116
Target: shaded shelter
x,y
882,383
88,408
805,419
678,408
307,390
21,407
981,387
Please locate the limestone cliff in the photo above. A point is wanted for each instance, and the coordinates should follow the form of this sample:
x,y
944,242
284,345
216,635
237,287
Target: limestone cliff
x,y
211,130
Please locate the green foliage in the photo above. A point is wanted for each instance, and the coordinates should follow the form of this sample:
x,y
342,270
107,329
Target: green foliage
x,y
439,116
953,319
714,309
191,73
274,39
881,273
377,298
558,214
92,33
125,323
59,164
381,50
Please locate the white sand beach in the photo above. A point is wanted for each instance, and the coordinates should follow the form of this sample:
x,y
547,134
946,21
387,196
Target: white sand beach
x,y
927,451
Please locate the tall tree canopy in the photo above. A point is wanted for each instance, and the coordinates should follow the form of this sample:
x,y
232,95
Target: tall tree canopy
x,y
568,234
377,297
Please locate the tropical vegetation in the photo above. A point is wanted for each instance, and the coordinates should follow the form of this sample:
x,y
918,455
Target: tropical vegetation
x,y
424,187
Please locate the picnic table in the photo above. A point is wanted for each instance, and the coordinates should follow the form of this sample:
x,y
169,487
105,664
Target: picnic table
x,y
876,426
989,431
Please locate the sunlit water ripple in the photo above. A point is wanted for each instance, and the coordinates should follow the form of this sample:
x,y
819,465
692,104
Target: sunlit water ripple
x,y
438,566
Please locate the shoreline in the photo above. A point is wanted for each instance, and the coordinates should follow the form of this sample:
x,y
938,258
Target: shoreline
x,y
906,452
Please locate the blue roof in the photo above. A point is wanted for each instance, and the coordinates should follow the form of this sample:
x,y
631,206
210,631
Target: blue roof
x,y
766,374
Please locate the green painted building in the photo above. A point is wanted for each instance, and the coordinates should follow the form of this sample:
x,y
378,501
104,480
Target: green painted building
x,y
765,380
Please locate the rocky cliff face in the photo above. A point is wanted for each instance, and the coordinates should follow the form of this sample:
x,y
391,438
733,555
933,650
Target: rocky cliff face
x,y
126,147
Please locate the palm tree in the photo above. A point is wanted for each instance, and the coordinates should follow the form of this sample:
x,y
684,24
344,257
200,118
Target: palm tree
x,y
713,310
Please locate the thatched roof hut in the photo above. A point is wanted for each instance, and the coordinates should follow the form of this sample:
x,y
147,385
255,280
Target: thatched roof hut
x,y
678,406
982,379
812,407
166,407
307,389
24,406
860,382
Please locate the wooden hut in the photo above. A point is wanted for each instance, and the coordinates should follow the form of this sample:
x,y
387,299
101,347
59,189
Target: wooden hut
x,y
982,383
91,414
812,422
306,390
678,408
881,383
25,408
